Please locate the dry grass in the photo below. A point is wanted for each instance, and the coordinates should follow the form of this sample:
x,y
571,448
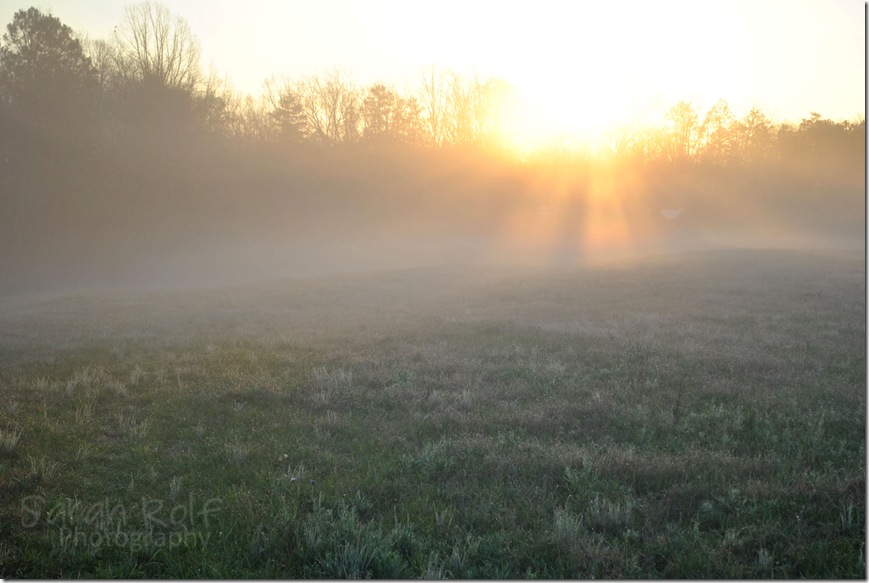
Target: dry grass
x,y
9,440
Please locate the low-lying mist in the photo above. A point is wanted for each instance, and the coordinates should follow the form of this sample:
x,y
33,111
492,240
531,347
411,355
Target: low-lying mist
x,y
115,171
244,220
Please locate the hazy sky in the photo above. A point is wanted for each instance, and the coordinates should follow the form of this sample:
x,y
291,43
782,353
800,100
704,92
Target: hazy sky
x,y
583,63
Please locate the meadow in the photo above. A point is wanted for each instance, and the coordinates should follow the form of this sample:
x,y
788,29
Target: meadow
x,y
690,415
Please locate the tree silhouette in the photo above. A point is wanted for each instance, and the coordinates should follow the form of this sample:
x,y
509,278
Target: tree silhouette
x,y
331,107
754,135
407,121
378,112
122,148
157,48
47,81
286,111
158,78
717,130
215,105
47,133
434,104
683,131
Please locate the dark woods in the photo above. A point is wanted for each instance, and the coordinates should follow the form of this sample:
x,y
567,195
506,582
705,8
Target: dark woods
x,y
119,154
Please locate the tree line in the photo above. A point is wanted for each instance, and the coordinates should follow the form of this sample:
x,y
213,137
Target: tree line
x,y
148,76
108,143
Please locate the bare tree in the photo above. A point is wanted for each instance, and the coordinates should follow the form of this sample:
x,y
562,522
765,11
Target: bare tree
x,y
491,97
157,47
717,133
253,121
754,135
103,56
434,104
215,103
462,111
461,99
407,121
683,131
331,108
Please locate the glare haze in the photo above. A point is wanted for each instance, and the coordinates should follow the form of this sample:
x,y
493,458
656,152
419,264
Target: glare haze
x,y
580,65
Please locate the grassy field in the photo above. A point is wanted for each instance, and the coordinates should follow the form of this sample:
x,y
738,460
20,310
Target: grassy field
x,y
695,415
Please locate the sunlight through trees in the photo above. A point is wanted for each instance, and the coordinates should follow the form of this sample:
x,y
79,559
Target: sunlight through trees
x,y
112,149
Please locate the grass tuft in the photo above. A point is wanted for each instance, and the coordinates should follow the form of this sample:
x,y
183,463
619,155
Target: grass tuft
x,y
9,439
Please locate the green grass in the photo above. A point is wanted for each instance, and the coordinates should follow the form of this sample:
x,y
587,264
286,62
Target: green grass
x,y
691,417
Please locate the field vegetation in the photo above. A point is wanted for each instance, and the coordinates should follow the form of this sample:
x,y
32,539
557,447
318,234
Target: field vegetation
x,y
690,415
359,331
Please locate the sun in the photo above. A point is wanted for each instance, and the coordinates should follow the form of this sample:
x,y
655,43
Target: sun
x,y
584,70
531,119
571,113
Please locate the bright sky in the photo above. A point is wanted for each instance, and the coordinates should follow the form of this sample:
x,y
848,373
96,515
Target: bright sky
x,y
583,64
